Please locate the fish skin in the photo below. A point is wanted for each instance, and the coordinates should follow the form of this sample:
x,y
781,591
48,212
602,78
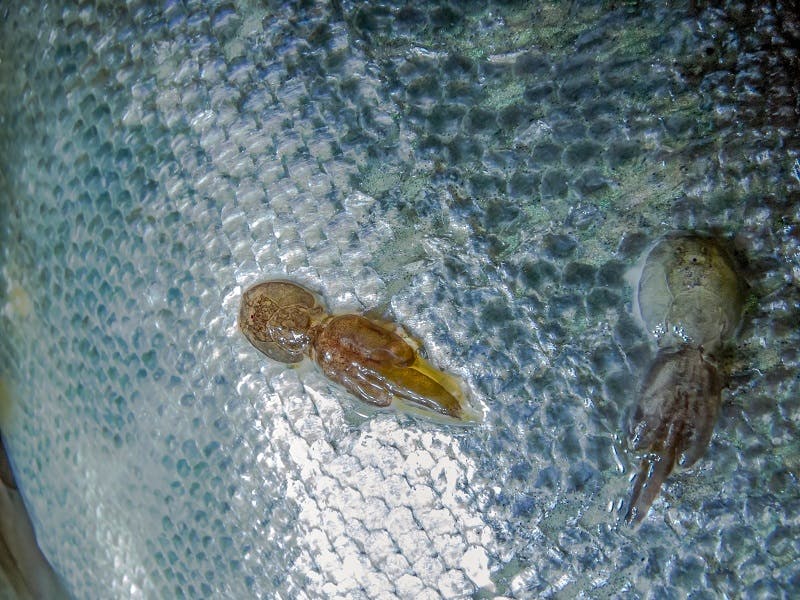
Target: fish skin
x,y
155,161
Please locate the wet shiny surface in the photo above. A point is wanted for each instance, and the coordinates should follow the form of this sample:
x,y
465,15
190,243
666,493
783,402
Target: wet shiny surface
x,y
485,172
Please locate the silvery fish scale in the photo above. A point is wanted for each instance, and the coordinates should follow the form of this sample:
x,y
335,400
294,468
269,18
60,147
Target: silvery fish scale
x,y
482,174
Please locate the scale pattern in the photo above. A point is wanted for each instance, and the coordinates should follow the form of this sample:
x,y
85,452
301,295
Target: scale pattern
x,y
484,173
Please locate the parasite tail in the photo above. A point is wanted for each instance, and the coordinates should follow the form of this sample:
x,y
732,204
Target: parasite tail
x,y
673,421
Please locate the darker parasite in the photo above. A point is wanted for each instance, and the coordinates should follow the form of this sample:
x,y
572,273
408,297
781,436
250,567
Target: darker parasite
x,y
691,300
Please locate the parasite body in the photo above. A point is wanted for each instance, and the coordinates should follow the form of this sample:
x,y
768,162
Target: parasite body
x,y
690,298
376,361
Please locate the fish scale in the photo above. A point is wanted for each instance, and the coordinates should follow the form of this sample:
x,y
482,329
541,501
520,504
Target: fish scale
x,y
475,172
